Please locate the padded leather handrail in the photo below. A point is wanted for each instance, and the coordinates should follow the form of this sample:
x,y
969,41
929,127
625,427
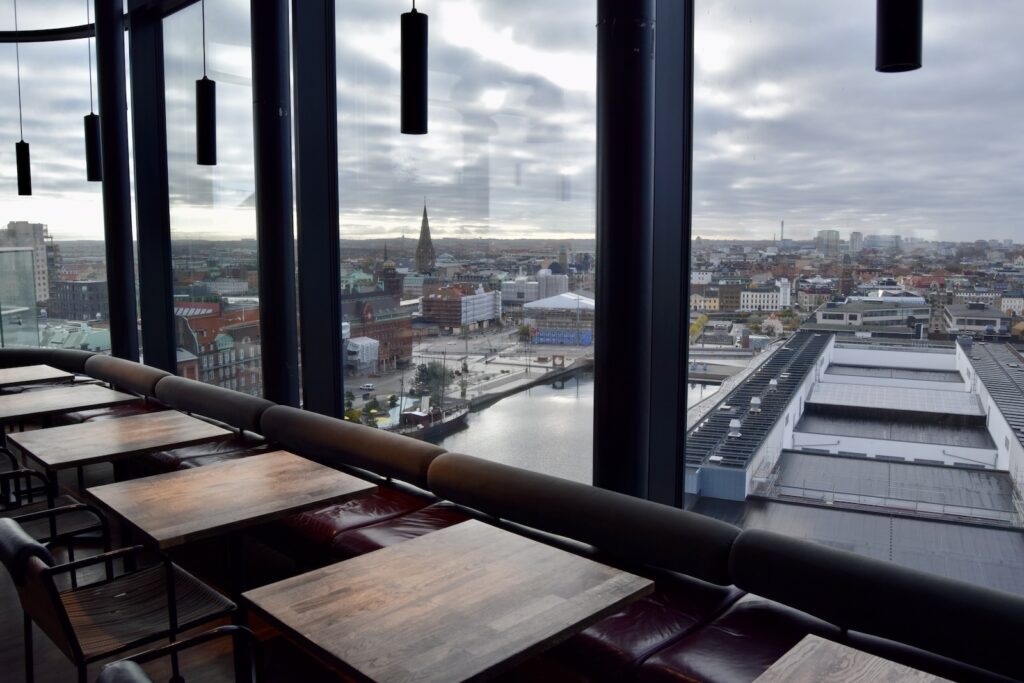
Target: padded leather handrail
x,y
124,374
977,625
637,530
69,360
335,442
16,547
224,405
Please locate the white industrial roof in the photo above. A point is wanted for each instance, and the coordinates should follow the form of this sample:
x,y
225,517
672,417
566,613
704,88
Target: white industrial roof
x,y
896,398
566,300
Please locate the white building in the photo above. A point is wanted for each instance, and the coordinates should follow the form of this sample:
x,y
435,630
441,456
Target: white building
x,y
481,307
862,312
768,298
36,237
1013,303
700,277
361,354
521,290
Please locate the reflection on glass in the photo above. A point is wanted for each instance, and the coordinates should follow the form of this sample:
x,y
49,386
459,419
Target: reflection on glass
x,y
213,221
18,313
467,253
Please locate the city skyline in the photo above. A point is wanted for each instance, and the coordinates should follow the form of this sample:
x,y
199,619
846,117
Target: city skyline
x,y
784,128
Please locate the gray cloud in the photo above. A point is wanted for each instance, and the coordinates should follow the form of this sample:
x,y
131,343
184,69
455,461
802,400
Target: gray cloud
x,y
791,122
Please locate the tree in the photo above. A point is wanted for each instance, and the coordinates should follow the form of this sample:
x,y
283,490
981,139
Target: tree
x,y
392,401
432,378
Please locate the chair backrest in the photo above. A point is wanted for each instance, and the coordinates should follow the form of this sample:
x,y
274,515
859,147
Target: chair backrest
x,y
27,560
42,603
16,547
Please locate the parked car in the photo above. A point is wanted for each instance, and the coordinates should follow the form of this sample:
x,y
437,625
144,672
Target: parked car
x,y
367,387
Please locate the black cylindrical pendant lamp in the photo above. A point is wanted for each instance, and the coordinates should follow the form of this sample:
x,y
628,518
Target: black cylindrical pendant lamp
x,y
24,172
414,72
93,155
206,122
898,35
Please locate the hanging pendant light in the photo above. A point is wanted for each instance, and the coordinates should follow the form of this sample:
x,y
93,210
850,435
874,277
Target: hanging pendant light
x,y
206,112
898,35
414,72
93,158
21,154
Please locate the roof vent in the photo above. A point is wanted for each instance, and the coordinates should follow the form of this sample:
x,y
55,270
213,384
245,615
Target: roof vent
x,y
755,404
734,428
773,384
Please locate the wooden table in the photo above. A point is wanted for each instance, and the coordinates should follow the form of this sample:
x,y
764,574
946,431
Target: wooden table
x,y
466,602
172,509
33,374
59,448
817,660
19,407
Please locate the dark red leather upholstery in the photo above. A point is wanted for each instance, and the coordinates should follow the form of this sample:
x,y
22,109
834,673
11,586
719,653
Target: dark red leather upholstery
x,y
382,534
324,524
112,413
609,648
737,646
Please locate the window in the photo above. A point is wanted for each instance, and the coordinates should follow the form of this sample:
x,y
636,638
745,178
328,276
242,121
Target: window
x,y
510,157
213,220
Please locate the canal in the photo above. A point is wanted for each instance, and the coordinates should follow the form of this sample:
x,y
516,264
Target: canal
x,y
544,429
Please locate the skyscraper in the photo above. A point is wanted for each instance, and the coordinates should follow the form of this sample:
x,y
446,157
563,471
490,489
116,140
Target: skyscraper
x,y
856,242
425,256
828,242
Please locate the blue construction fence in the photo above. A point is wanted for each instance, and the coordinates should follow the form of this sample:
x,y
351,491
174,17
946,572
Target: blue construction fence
x,y
564,337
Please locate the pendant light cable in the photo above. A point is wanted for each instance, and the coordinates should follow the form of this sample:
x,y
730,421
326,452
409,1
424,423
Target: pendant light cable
x,y
203,3
88,47
17,57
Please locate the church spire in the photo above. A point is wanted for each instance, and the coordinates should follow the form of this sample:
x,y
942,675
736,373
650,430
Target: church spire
x,y
425,256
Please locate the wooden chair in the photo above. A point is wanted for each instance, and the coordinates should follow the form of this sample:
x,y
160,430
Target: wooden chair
x,y
129,671
94,621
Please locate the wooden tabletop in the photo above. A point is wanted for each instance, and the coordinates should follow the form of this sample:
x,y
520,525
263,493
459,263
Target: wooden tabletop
x,y
178,507
462,603
81,444
32,374
60,400
817,660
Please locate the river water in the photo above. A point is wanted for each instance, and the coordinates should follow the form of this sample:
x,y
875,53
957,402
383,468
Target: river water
x,y
543,429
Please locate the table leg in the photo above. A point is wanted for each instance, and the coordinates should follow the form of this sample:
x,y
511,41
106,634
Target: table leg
x,y
236,584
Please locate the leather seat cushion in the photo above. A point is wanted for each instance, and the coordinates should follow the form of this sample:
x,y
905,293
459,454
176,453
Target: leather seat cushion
x,y
737,646
324,524
139,407
225,449
613,645
403,528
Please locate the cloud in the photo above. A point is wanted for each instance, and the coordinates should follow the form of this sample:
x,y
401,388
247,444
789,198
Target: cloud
x,y
791,122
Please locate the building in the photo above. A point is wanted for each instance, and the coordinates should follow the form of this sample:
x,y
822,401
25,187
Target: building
x,y
989,297
775,297
426,259
708,301
46,254
810,297
856,242
18,313
827,242
873,312
361,355
458,306
729,296
79,300
521,291
888,243
1012,303
381,317
565,319
975,319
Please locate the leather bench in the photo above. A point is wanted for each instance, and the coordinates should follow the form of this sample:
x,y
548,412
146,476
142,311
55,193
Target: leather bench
x,y
739,645
366,452
122,375
400,528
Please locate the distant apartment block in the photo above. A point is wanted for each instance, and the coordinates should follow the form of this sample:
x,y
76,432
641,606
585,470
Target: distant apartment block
x,y
46,254
775,297
456,306
827,242
975,319
1012,303
873,313
708,301
79,300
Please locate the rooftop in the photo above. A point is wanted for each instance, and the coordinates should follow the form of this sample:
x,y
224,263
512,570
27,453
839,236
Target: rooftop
x,y
896,398
886,429
1001,368
894,373
873,304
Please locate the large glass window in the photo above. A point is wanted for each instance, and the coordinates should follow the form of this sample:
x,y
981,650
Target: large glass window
x,y
61,223
213,219
500,295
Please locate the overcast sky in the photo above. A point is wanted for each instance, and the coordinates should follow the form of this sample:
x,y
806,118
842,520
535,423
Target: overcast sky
x,y
792,122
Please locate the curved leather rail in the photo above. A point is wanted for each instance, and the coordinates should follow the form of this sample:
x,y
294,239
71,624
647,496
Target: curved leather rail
x,y
637,530
69,360
336,442
977,625
230,407
124,374
16,547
